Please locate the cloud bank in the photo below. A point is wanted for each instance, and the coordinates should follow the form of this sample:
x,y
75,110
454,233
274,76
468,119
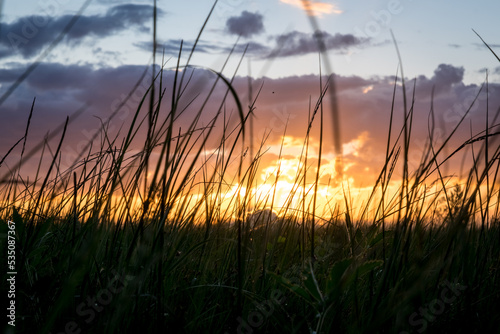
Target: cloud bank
x,y
284,104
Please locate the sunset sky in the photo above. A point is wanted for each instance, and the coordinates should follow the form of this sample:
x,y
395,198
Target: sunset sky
x,y
109,47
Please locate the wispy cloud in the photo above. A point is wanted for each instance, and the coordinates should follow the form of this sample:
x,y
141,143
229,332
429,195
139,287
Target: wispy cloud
x,y
481,45
171,47
314,8
294,43
298,43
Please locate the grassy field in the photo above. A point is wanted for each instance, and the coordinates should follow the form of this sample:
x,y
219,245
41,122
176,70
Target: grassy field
x,y
121,243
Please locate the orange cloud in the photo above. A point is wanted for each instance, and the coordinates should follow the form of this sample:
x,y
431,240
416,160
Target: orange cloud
x,y
314,8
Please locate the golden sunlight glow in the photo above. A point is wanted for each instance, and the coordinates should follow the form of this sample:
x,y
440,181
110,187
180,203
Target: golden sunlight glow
x,y
280,183
355,145
287,169
314,8
367,89
284,181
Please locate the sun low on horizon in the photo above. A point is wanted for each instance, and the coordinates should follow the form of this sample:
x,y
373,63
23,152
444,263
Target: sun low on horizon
x,y
250,166
276,126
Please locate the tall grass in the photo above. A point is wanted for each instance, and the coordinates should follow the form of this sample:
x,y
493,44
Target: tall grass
x,y
170,239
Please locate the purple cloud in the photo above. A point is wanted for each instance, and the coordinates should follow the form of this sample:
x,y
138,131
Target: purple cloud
x,y
298,43
246,25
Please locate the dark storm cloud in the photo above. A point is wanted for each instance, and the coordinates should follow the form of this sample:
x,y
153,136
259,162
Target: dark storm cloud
x,y
245,25
31,34
298,43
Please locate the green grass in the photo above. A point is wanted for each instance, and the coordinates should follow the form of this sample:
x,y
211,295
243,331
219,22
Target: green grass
x,y
426,258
